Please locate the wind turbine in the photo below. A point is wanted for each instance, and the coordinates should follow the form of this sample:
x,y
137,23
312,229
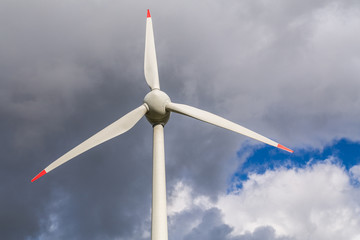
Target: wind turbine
x,y
156,107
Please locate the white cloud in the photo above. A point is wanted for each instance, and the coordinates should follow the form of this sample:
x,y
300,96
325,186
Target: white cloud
x,y
181,200
316,202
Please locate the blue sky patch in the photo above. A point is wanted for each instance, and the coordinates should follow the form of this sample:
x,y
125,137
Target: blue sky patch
x,y
266,157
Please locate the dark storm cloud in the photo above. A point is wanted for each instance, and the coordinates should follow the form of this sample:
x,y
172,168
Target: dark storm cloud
x,y
54,92
70,68
211,227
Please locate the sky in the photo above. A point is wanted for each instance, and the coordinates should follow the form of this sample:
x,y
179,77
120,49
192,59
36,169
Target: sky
x,y
289,70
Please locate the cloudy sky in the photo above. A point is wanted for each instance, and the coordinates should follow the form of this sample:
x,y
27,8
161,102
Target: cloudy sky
x,y
289,70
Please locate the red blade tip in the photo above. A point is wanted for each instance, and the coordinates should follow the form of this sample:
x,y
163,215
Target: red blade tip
x,y
42,173
284,148
148,13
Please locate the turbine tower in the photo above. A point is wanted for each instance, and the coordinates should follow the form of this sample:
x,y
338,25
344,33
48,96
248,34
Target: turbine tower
x,y
156,108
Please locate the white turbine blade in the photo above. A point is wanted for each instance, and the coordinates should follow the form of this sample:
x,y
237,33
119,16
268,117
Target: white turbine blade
x,y
120,126
221,122
150,63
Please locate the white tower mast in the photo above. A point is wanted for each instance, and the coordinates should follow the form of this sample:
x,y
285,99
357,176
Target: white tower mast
x,y
159,230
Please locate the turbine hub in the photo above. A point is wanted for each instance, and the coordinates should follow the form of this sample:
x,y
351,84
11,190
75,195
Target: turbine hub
x,y
156,101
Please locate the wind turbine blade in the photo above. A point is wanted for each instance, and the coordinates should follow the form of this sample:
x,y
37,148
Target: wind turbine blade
x,y
115,129
150,63
221,122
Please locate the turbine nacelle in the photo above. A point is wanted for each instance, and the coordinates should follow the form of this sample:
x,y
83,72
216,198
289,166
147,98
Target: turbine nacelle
x,y
156,102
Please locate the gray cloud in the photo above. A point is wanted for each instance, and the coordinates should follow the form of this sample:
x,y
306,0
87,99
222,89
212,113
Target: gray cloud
x,y
211,227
